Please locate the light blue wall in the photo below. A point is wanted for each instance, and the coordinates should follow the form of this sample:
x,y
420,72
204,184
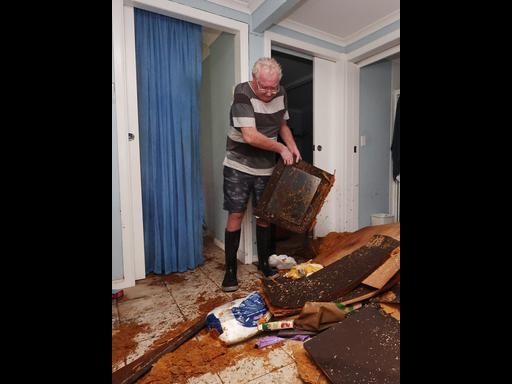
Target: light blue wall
x,y
117,248
374,123
216,97
255,49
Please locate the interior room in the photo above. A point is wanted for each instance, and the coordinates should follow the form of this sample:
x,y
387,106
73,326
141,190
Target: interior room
x,y
187,94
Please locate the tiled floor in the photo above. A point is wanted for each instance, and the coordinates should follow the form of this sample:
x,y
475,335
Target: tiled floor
x,y
163,302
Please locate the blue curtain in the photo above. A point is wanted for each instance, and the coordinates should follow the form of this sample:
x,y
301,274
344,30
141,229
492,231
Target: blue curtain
x,y
168,55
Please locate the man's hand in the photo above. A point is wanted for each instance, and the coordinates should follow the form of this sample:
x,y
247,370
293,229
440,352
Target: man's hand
x,y
287,156
296,154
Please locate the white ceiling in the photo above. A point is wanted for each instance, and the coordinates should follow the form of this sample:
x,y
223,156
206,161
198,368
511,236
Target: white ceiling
x,y
338,21
344,18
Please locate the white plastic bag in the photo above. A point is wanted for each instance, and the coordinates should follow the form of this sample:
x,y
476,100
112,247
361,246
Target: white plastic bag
x,y
237,320
281,261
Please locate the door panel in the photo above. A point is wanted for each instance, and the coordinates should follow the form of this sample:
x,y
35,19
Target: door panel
x,y
324,139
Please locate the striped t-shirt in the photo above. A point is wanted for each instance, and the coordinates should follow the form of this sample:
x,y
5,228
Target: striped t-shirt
x,y
249,111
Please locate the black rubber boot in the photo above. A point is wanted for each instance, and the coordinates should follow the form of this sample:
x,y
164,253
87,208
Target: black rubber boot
x,y
273,230
231,243
263,243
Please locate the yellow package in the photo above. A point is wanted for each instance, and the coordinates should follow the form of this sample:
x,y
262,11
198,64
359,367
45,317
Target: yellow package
x,y
303,270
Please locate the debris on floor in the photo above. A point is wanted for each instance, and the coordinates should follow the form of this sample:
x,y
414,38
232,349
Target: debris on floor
x,y
371,268
197,357
303,270
123,340
337,245
237,320
391,309
354,298
317,316
369,351
308,371
165,344
385,272
281,261
334,280
117,293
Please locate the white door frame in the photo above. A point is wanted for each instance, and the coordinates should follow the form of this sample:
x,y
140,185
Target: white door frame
x,y
127,114
127,237
346,161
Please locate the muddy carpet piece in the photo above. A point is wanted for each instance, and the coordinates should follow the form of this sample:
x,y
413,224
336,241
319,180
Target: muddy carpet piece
x,y
363,348
333,281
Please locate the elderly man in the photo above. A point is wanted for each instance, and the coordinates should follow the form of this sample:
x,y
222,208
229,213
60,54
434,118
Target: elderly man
x,y
258,114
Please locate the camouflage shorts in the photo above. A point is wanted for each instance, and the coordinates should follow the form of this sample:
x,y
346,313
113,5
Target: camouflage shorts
x,y
238,186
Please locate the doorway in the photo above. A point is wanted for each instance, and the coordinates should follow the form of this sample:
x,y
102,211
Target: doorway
x,y
127,118
298,81
218,81
379,90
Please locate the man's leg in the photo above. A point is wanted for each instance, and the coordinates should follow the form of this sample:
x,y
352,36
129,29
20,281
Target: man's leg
x,y
264,244
236,195
273,230
263,231
231,244
272,241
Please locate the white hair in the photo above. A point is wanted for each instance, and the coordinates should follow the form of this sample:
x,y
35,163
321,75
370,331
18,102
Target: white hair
x,y
269,64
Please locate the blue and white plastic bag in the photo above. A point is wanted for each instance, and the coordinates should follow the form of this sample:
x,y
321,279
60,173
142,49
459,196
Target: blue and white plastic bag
x,y
237,320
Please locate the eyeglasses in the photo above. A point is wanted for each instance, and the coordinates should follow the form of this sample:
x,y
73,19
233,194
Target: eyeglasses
x,y
273,91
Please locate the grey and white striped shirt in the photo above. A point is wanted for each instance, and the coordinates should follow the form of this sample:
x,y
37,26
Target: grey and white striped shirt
x,y
249,111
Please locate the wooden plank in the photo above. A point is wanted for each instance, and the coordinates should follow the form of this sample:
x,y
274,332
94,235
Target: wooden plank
x,y
332,281
364,292
391,309
130,373
349,242
385,272
391,296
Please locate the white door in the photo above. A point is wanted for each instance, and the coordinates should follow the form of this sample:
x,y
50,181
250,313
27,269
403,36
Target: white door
x,y
325,141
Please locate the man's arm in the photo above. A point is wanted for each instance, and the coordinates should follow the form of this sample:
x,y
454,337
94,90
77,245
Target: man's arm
x,y
287,136
256,139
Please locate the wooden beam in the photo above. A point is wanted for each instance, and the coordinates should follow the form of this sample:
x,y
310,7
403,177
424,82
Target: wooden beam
x,y
130,373
271,12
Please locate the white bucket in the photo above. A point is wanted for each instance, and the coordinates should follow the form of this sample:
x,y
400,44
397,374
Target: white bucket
x,y
382,218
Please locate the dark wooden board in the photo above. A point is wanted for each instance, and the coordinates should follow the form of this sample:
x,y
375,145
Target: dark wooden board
x,y
363,348
294,195
333,281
